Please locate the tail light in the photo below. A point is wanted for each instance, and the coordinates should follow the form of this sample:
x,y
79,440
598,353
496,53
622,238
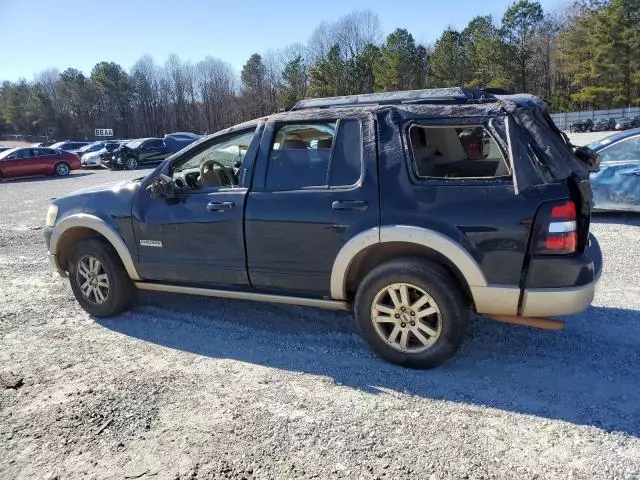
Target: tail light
x,y
556,230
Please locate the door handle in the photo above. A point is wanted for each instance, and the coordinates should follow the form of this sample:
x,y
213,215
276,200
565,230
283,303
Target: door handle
x,y
220,206
352,205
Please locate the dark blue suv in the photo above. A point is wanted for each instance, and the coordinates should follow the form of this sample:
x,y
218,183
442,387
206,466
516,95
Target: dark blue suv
x,y
412,208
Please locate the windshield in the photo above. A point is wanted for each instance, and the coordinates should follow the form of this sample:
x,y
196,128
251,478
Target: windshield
x,y
91,146
135,143
6,153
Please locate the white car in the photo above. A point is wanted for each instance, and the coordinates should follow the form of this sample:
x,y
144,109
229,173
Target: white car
x,y
92,159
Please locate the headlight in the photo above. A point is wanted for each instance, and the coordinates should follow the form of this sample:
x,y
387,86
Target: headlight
x,y
113,157
52,213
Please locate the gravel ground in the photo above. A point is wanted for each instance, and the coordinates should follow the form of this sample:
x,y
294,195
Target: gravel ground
x,y
194,388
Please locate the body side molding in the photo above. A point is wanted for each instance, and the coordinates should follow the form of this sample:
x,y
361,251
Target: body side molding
x,y
83,220
404,233
240,295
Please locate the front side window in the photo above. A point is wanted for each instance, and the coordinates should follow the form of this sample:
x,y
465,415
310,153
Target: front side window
x,y
627,149
456,152
216,166
24,153
300,156
152,144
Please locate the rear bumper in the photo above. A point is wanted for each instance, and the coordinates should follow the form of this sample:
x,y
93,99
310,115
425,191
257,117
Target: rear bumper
x,y
583,270
551,302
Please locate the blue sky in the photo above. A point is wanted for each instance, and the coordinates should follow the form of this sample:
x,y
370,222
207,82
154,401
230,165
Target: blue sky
x,y
41,34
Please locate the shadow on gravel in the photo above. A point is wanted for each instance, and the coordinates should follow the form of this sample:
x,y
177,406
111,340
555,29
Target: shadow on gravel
x,y
587,374
45,177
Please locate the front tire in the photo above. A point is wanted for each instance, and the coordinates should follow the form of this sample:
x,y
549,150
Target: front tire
x,y
61,169
411,313
131,163
98,279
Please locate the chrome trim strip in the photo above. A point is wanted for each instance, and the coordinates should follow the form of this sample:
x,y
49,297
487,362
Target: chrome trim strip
x,y
259,297
562,227
83,220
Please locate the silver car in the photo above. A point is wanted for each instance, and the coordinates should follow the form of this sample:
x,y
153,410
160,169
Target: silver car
x,y
617,185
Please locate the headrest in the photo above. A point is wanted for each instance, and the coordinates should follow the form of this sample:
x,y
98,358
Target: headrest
x,y
294,144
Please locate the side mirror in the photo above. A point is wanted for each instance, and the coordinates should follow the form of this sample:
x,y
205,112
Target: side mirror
x,y
162,187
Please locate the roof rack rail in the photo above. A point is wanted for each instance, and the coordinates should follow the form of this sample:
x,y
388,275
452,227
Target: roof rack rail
x,y
425,96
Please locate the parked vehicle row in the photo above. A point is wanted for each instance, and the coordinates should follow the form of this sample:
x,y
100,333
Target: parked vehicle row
x,y
146,151
604,124
62,157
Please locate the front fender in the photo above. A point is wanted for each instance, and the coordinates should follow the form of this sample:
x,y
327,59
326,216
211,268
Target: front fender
x,y
92,222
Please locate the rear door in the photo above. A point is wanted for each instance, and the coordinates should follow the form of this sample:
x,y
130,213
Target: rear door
x,y
315,187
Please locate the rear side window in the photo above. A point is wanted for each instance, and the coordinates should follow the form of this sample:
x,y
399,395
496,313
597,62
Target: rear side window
x,y
452,152
315,155
300,156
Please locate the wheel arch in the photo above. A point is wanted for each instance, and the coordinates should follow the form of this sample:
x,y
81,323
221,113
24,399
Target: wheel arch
x,y
76,227
372,248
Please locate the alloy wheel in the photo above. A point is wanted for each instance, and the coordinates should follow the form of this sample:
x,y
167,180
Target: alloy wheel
x,y
62,169
132,164
406,317
92,279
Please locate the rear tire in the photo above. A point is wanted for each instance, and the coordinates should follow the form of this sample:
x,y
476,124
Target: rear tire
x,y
61,169
428,315
98,279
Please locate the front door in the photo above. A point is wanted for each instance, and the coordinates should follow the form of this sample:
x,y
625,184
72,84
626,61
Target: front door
x,y
20,163
152,150
197,236
317,190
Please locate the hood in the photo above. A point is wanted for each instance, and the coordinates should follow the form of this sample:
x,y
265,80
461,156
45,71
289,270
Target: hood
x,y
114,187
109,200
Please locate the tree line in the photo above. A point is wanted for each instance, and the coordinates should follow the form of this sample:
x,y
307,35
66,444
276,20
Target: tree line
x,y
586,56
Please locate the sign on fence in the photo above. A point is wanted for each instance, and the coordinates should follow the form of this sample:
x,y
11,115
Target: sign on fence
x,y
104,132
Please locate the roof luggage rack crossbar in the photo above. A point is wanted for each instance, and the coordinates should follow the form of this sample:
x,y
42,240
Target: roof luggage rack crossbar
x,y
426,96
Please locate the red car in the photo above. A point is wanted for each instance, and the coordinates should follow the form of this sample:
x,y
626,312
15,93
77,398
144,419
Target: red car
x,y
22,162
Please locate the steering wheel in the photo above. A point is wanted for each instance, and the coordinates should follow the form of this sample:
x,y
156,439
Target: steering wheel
x,y
207,166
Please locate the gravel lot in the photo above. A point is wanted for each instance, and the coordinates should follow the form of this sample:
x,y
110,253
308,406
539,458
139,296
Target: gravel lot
x,y
194,388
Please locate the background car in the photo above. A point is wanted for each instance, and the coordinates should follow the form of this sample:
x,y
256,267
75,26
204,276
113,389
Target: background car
x,y
581,126
21,162
44,144
95,158
69,146
93,147
603,124
145,151
627,123
617,185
